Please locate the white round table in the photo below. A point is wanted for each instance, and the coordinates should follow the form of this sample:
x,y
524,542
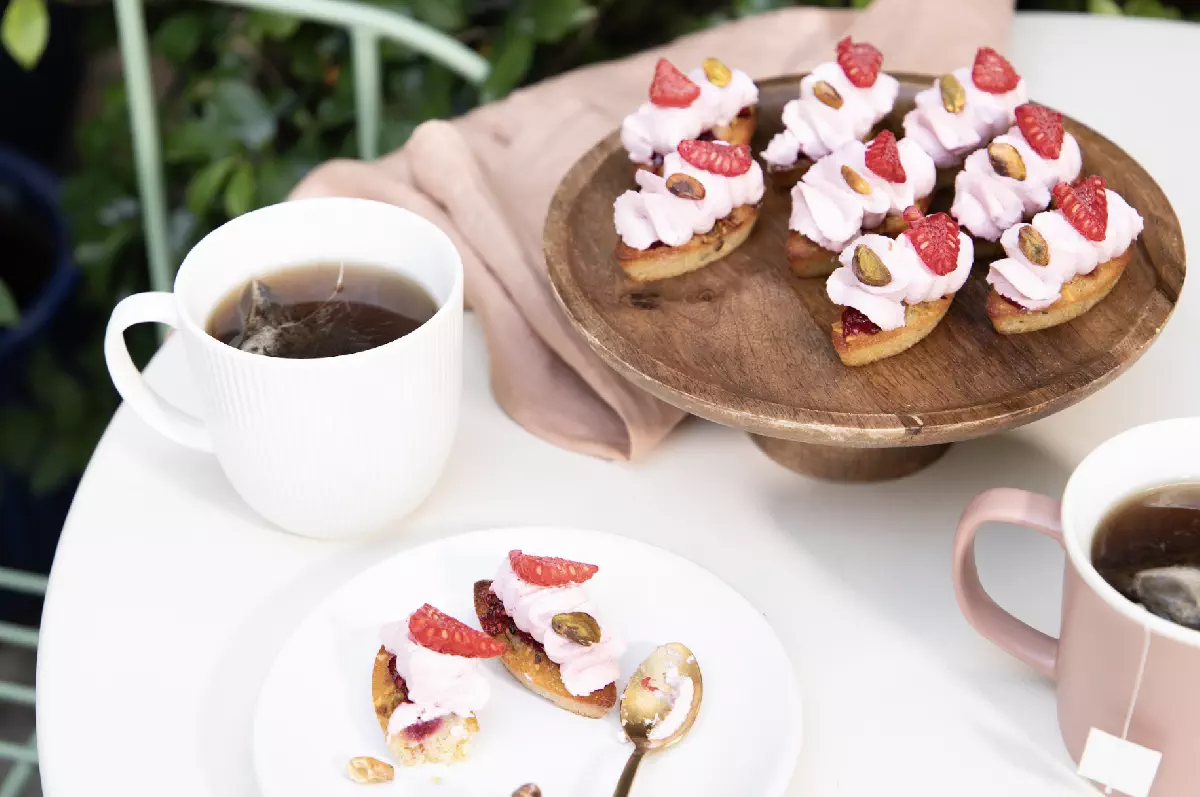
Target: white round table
x,y
169,598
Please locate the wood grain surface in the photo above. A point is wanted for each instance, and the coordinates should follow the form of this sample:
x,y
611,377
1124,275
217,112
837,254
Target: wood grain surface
x,y
744,343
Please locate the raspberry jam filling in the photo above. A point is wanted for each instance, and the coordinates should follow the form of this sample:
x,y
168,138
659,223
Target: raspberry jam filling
x,y
495,620
419,731
1016,304
855,323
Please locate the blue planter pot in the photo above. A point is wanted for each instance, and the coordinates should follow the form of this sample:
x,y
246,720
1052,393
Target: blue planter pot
x,y
31,191
46,278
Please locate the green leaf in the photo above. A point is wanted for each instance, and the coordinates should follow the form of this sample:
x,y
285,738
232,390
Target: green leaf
x,y
9,314
337,107
240,111
1104,7
512,58
1151,8
20,436
276,177
745,8
447,15
181,230
239,193
102,255
860,3
101,250
54,388
554,19
178,38
198,140
306,67
393,52
25,30
57,463
395,134
103,136
437,92
207,183
272,25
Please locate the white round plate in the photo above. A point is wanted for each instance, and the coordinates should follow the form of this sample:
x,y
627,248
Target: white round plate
x,y
315,712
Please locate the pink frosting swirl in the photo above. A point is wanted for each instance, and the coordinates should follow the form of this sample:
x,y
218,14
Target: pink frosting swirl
x,y
652,130
584,668
946,136
438,684
654,214
912,281
829,212
1037,287
814,129
987,203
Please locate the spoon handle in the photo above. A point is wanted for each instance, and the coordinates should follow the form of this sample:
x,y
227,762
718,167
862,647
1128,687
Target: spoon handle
x,y
631,767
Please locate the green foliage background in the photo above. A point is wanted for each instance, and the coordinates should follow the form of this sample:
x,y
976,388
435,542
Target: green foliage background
x,y
250,102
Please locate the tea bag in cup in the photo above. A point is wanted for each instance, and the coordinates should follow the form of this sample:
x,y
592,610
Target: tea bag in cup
x,y
1172,593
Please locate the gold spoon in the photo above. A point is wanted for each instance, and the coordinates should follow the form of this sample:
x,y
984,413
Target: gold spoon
x,y
648,699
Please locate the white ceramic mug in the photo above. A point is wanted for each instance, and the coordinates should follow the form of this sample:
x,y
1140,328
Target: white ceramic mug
x,y
327,447
1119,669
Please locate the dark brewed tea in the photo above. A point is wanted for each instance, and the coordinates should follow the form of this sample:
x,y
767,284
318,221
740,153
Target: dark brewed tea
x,y
320,310
1148,548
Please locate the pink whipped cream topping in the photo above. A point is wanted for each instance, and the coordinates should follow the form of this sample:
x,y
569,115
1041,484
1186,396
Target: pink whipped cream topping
x,y
815,129
438,684
987,203
584,668
1037,287
912,281
654,214
652,130
826,210
948,137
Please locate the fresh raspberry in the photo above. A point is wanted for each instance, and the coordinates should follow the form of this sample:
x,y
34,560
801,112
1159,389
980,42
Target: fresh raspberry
x,y
548,571
855,323
993,73
441,633
671,88
935,238
717,157
1085,205
1042,128
883,158
860,62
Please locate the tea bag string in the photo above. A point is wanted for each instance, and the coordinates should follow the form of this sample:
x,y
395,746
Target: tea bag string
x,y
337,288
1137,689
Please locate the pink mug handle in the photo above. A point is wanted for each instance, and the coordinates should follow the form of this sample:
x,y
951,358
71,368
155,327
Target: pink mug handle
x,y
1006,505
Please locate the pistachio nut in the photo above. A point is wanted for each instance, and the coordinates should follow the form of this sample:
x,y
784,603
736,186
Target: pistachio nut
x,y
579,627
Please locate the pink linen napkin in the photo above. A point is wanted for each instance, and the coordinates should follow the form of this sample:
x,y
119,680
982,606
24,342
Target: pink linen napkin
x,y
487,179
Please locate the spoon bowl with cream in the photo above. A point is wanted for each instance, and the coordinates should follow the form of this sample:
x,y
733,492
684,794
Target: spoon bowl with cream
x,y
659,705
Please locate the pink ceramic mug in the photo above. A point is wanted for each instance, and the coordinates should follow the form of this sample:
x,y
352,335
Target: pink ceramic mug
x,y
1105,639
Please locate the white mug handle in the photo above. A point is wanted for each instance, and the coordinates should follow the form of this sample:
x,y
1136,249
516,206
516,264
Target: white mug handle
x,y
169,420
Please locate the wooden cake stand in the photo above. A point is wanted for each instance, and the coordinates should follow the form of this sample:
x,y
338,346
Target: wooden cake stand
x,y
744,343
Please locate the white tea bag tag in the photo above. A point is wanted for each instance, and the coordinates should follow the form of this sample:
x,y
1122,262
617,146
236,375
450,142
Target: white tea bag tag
x,y
1118,763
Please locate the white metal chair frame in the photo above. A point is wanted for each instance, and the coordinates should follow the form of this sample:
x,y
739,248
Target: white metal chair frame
x,y
367,25
23,756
